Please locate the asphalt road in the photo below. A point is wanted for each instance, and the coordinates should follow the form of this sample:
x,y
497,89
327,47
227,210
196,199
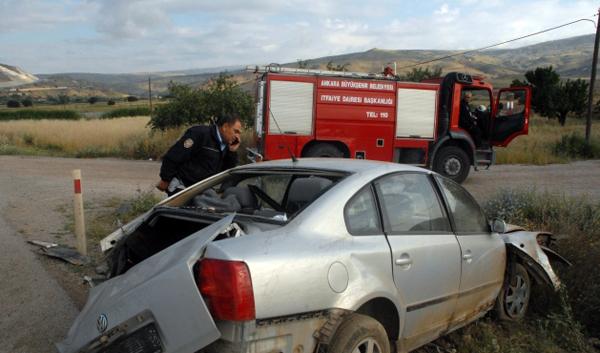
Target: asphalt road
x,y
37,304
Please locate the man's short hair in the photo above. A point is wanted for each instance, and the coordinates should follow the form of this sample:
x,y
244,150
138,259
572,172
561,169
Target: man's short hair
x,y
228,119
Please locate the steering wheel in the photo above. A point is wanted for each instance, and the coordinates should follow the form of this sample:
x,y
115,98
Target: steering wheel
x,y
266,198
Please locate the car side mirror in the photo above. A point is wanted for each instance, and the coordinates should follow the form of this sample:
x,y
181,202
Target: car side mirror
x,y
498,226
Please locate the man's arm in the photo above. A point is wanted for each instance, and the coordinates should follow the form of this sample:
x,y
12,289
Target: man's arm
x,y
178,154
230,160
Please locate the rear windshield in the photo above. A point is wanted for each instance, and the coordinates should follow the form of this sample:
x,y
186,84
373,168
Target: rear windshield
x,y
273,195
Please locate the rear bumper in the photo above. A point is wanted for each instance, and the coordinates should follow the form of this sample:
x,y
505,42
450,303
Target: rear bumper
x,y
285,335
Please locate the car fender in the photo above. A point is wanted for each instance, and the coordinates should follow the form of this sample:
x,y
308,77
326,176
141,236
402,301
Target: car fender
x,y
524,245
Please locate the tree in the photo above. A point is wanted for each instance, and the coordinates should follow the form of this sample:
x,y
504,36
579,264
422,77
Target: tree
x,y
551,97
302,64
183,108
93,100
27,102
570,97
331,66
418,74
131,98
110,102
221,95
13,104
63,99
544,82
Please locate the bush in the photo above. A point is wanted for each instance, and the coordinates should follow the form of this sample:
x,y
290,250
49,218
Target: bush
x,y
131,99
39,115
575,146
93,100
13,104
110,102
27,102
124,112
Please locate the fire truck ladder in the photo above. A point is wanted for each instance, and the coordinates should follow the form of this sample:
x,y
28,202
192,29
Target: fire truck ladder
x,y
276,68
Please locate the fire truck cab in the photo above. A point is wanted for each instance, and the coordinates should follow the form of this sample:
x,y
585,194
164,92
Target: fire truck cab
x,y
315,113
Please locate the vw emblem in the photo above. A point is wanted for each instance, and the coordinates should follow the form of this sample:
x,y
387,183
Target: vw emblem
x,y
102,323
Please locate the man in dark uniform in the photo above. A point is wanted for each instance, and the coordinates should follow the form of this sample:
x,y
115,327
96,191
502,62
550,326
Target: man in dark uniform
x,y
201,152
468,120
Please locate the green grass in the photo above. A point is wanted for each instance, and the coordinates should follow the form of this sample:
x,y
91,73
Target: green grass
x,y
36,114
574,146
125,112
538,147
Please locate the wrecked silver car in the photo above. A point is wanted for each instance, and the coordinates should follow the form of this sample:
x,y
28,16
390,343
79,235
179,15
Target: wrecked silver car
x,y
314,255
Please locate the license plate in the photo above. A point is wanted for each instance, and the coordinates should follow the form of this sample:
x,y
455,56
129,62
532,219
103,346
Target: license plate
x,y
144,340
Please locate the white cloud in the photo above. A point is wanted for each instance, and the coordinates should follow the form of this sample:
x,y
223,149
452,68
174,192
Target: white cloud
x,y
30,15
145,35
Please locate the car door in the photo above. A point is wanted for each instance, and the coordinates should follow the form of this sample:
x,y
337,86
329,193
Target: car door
x,y
511,115
483,253
425,254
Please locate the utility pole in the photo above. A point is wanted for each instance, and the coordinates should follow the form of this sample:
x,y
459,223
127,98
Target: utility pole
x,y
588,123
150,93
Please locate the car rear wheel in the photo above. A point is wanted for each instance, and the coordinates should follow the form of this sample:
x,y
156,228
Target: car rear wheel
x,y
452,162
360,334
324,150
513,300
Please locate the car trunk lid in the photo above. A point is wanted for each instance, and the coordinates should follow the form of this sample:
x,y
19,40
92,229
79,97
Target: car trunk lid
x,y
157,297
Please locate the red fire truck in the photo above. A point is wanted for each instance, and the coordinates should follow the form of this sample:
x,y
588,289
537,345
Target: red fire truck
x,y
315,113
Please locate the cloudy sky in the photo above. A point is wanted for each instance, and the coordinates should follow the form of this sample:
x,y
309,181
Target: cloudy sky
x,y
112,36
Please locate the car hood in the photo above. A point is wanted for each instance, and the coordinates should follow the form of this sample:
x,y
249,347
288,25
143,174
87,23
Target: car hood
x,y
159,292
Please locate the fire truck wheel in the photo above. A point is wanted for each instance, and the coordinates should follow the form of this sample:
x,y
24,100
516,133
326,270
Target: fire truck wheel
x,y
452,162
324,150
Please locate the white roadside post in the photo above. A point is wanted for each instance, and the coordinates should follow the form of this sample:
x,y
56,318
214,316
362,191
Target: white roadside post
x,y
78,214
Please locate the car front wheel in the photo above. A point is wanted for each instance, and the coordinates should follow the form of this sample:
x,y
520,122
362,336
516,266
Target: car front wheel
x,y
360,334
513,300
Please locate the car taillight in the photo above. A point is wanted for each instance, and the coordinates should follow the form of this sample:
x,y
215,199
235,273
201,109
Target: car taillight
x,y
227,289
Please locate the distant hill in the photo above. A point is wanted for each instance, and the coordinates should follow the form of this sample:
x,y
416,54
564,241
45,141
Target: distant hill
x,y
571,57
12,76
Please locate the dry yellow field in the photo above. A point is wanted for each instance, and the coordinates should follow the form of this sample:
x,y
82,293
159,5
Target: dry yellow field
x,y
124,137
131,138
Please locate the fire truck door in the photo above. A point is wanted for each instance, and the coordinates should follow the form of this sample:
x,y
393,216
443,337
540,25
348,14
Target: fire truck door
x,y
511,115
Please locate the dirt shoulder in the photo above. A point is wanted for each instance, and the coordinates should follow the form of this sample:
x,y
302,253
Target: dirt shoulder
x,y
41,296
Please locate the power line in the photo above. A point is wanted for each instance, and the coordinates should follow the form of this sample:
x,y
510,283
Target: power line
x,y
497,44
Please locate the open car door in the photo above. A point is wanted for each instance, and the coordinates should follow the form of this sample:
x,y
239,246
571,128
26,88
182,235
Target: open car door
x,y
511,115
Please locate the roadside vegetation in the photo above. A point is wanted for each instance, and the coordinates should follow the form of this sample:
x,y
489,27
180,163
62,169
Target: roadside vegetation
x,y
544,144
125,112
564,322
